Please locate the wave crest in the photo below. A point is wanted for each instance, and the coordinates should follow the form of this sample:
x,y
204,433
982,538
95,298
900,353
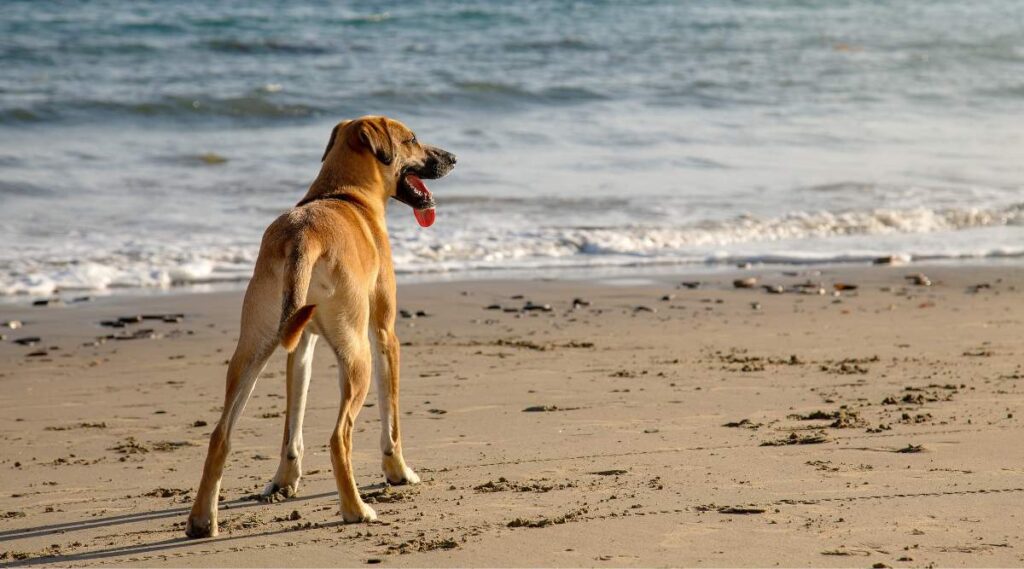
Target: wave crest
x,y
463,248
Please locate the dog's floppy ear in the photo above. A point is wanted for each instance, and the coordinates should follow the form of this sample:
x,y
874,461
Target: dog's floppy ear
x,y
330,143
373,135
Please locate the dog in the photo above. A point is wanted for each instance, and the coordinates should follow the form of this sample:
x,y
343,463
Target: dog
x,y
325,269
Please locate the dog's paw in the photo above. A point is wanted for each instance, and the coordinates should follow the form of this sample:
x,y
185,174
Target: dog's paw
x,y
397,473
360,514
198,528
276,492
407,477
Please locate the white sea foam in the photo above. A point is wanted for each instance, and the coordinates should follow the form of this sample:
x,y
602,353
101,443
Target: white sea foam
x,y
796,238
704,241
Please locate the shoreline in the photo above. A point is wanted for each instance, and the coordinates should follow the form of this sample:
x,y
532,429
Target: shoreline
x,y
590,274
659,424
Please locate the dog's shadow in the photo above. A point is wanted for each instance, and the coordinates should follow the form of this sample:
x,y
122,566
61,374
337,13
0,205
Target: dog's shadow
x,y
142,548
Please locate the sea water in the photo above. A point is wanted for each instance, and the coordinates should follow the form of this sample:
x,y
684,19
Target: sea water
x,y
148,144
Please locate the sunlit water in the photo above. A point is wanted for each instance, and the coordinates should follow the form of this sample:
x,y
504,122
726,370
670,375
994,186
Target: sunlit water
x,y
150,143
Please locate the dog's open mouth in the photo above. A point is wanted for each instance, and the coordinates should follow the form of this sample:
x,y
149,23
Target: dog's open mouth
x,y
414,193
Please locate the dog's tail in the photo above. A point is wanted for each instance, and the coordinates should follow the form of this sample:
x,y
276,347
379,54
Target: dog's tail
x,y
295,313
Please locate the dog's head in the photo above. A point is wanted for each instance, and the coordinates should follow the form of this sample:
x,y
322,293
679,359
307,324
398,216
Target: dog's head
x,y
401,161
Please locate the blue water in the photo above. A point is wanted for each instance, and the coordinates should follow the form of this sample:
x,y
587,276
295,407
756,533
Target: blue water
x,y
150,143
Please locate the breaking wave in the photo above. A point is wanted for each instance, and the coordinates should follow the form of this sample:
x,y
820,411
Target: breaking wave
x,y
796,238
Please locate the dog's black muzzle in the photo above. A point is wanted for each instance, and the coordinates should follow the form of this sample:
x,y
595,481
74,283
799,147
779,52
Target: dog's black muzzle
x,y
437,164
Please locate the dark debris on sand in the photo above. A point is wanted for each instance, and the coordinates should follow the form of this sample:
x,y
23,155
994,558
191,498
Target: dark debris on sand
x,y
797,439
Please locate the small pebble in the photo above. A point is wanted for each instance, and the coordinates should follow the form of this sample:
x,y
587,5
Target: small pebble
x,y
142,334
749,282
919,279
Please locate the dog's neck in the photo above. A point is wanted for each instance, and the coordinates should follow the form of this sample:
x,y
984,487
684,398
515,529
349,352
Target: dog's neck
x,y
362,186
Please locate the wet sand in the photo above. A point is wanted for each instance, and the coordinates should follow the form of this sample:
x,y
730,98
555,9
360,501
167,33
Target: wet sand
x,y
657,425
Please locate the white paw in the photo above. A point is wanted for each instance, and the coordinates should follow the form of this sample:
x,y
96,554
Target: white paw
x,y
409,476
363,515
399,474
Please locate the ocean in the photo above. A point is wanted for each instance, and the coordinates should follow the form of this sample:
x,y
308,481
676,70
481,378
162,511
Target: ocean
x,y
149,143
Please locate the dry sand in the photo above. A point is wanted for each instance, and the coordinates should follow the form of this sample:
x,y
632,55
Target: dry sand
x,y
906,399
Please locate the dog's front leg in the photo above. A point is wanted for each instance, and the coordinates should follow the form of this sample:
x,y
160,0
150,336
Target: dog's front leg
x,y
386,368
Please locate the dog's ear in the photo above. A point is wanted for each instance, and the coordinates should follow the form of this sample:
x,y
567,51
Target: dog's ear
x,y
374,135
330,143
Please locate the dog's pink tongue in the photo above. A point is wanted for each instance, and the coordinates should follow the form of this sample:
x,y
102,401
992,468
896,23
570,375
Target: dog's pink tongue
x,y
425,217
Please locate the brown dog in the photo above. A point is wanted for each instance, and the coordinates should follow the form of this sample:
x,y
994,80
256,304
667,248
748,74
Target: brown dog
x,y
324,269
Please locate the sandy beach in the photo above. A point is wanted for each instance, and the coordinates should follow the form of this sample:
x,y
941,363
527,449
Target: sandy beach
x,y
713,283
863,419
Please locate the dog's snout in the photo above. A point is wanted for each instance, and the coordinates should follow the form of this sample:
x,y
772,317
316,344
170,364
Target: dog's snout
x,y
438,162
445,163
442,156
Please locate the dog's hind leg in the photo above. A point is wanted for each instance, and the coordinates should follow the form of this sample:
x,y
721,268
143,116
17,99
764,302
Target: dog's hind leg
x,y
243,371
352,346
255,345
300,368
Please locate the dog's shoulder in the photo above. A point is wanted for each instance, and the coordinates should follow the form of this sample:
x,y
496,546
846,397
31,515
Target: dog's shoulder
x,y
324,221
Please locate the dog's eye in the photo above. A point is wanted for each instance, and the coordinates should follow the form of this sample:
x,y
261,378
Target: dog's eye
x,y
412,140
